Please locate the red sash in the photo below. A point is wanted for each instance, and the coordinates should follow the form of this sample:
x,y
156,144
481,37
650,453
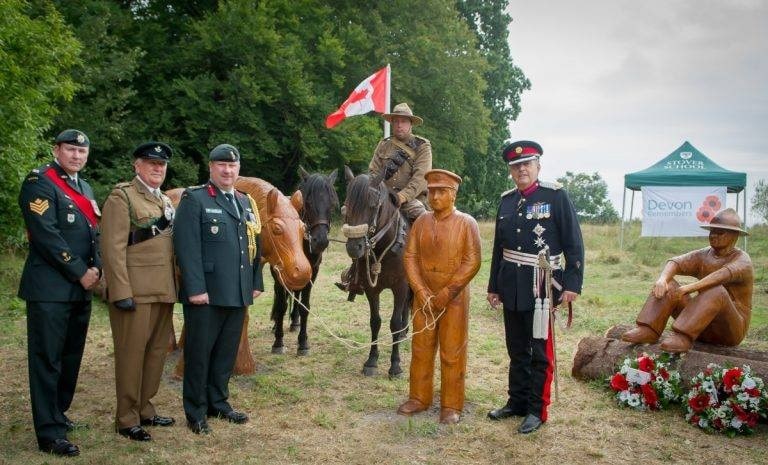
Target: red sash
x,y
83,203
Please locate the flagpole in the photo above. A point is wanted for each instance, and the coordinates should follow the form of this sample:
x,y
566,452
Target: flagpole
x,y
388,102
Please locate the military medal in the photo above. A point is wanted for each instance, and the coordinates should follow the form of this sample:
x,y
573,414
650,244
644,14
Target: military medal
x,y
538,211
539,230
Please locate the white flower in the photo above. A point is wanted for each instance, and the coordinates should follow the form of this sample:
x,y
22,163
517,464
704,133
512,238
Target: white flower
x,y
742,396
736,422
748,383
708,386
634,400
703,423
624,370
624,395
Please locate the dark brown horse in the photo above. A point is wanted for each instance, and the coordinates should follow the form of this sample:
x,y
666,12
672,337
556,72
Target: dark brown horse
x,y
376,233
319,200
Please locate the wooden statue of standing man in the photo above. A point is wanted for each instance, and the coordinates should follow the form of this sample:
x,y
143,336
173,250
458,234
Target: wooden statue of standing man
x,y
441,258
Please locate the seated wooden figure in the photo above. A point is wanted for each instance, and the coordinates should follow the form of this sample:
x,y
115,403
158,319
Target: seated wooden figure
x,y
720,311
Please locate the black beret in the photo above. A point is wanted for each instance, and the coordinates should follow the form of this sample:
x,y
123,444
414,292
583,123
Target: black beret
x,y
73,137
224,152
153,150
520,151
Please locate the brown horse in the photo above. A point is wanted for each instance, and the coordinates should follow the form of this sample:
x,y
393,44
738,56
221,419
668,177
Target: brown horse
x,y
282,234
376,232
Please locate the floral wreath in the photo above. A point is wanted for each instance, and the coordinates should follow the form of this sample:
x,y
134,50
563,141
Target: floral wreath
x,y
726,400
646,382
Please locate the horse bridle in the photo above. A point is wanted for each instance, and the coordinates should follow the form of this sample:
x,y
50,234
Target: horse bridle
x,y
372,236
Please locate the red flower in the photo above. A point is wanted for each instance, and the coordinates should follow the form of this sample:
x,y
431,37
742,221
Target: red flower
x,y
695,419
699,403
717,423
704,214
731,379
751,420
740,412
664,373
753,392
645,364
619,383
649,394
712,202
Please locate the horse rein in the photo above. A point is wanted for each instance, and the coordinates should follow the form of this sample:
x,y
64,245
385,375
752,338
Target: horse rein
x,y
368,229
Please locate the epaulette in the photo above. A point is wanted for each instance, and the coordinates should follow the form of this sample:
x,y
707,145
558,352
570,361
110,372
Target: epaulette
x,y
122,185
551,185
35,173
511,191
194,188
420,140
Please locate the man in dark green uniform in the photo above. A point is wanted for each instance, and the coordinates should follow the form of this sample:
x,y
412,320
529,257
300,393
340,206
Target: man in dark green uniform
x,y
217,249
62,267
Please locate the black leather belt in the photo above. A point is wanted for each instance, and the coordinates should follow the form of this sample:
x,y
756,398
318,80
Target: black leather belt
x,y
144,234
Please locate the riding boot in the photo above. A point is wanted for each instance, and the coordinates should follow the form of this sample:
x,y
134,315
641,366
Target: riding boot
x,y
349,284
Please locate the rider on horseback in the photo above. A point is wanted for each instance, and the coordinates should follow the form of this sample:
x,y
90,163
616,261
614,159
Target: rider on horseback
x,y
403,159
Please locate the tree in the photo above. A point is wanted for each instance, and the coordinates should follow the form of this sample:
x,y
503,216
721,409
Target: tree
x,y
760,199
37,50
485,175
589,194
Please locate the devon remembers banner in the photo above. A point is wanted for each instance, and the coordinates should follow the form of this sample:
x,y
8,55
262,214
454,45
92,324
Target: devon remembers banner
x,y
679,211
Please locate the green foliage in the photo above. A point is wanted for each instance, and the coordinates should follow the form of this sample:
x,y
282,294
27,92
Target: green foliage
x,y
104,72
36,49
760,199
589,194
263,75
485,175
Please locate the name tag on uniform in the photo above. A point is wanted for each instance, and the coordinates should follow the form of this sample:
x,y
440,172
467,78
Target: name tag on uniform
x,y
213,210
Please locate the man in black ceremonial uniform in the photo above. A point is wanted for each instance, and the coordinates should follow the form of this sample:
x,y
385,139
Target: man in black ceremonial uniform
x,y
62,267
217,249
534,217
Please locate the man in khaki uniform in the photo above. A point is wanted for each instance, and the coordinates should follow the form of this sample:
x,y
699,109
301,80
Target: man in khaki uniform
x,y
403,159
139,268
441,258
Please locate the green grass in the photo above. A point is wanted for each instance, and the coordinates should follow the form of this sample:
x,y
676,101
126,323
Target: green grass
x,y
319,408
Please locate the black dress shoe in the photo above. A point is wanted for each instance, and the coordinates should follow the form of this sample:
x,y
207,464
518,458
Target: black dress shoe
x,y
506,412
199,427
71,425
60,447
157,420
231,416
135,433
530,424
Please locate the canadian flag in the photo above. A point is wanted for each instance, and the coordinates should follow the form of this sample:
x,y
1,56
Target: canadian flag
x,y
370,95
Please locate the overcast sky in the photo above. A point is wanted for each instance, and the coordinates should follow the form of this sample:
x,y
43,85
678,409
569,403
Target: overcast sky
x,y
618,85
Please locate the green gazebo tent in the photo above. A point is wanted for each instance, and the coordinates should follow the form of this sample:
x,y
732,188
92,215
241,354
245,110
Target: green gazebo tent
x,y
686,166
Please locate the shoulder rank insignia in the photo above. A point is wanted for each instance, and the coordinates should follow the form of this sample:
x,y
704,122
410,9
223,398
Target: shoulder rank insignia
x,y
550,185
511,191
39,206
